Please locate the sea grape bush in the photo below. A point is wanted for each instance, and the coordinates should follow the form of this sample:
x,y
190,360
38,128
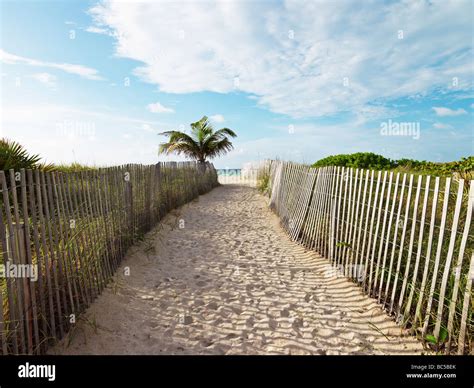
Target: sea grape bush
x,y
357,160
369,160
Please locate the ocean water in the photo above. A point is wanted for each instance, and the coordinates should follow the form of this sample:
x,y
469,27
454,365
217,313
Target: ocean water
x,y
229,172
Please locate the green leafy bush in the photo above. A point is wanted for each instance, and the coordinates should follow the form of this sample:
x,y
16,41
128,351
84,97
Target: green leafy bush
x,y
263,183
464,168
357,160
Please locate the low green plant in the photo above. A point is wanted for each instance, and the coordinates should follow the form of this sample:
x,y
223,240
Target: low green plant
x,y
357,160
437,343
263,183
73,167
463,168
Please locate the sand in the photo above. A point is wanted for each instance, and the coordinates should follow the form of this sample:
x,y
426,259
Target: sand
x,y
220,276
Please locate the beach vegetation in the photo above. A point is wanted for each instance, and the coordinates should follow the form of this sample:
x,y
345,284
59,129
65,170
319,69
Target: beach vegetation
x,y
201,144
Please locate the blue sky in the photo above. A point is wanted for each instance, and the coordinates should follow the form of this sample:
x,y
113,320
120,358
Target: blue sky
x,y
94,82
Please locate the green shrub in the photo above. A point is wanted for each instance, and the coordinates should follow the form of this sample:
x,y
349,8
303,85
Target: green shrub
x,y
463,168
73,167
357,160
263,183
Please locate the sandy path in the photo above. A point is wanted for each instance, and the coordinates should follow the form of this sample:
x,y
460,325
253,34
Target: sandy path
x,y
231,282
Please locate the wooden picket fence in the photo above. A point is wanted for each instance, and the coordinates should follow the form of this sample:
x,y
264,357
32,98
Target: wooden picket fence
x,y
75,228
405,239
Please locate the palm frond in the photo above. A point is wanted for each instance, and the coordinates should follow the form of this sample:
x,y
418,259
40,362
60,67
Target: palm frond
x,y
225,131
177,136
14,156
219,148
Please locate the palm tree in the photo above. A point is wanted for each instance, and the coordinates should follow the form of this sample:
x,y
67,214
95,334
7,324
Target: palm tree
x,y
202,144
14,155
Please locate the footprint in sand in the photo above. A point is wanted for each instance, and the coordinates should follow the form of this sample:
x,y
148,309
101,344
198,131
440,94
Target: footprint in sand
x,y
249,289
250,322
206,342
297,324
198,303
212,306
237,310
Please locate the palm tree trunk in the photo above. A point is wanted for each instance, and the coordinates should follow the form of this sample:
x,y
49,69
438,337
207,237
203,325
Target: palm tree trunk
x,y
202,165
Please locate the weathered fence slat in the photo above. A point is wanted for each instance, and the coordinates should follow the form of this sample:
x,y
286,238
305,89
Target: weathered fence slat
x,y
358,261
31,287
410,246
377,226
466,304
438,256
368,224
11,291
458,267
387,238
394,239
39,261
428,253
449,257
317,203
402,242
352,226
420,246
13,250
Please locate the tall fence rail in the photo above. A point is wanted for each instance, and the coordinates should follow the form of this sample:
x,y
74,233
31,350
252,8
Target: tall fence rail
x,y
405,239
63,235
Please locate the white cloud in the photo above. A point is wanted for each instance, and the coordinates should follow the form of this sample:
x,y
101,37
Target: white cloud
x,y
217,118
441,111
83,71
45,78
442,126
158,108
298,58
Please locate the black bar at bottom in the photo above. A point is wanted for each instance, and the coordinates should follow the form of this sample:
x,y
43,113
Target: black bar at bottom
x,y
324,371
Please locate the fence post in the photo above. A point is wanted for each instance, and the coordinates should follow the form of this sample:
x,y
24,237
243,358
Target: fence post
x,y
129,201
